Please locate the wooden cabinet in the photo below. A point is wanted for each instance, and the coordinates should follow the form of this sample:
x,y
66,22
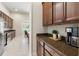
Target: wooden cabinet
x,y
50,51
12,34
47,13
11,23
46,53
0,14
53,13
39,48
58,12
44,50
72,11
8,22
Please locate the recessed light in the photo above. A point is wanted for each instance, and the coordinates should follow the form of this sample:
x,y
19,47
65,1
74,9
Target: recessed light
x,y
16,10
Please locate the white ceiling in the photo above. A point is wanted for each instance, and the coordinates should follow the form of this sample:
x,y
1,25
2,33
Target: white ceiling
x,y
22,7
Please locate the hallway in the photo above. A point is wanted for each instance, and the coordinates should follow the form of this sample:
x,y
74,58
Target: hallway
x,y
17,47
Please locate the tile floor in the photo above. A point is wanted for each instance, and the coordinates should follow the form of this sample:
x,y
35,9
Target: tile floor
x,y
17,47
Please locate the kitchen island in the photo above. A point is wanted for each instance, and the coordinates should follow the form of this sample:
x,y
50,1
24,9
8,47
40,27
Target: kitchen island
x,y
49,47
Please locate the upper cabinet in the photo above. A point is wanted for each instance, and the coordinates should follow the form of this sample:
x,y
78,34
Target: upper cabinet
x,y
8,22
72,11
58,12
47,13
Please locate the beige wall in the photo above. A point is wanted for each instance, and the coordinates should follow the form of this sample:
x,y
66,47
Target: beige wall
x,y
18,20
37,22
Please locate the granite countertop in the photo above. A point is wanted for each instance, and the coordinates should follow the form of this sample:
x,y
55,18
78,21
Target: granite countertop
x,y
9,30
59,45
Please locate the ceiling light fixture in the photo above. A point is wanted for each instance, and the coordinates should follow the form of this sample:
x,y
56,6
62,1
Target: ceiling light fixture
x,y
16,10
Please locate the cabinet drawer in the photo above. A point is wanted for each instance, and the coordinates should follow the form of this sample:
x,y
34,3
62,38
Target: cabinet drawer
x,y
46,53
55,54
39,49
51,51
41,43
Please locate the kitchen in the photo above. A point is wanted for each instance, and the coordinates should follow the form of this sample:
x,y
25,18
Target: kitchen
x,y
53,30
13,23
61,22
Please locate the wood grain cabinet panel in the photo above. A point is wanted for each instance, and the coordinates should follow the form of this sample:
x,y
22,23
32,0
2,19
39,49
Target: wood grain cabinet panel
x,y
10,23
13,34
55,54
44,50
58,12
39,48
7,20
51,51
72,11
0,13
47,13
46,53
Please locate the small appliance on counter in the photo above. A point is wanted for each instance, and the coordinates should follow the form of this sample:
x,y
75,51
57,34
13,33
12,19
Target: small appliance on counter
x,y
72,36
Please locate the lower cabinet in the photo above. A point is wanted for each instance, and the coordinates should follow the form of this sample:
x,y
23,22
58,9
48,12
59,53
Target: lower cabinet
x,y
10,35
55,54
44,50
13,34
50,51
46,53
39,48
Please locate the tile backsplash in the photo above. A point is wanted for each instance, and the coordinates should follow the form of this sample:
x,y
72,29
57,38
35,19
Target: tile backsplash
x,y
61,28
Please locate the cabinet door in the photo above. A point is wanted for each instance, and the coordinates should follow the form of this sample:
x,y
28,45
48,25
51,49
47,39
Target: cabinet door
x,y
72,10
47,13
0,14
46,53
55,54
6,22
58,12
9,23
39,49
51,51
13,34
